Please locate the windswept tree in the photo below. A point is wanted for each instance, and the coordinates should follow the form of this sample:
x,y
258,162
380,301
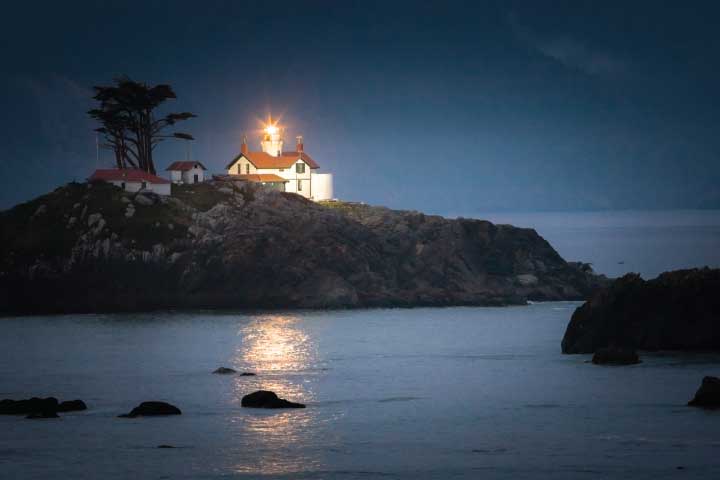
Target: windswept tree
x,y
129,125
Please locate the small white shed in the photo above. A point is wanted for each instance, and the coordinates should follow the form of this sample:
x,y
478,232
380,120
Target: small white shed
x,y
187,172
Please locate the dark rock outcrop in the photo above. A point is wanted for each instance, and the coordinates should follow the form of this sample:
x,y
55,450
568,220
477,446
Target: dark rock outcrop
x,y
678,310
71,406
43,414
247,374
708,395
31,406
152,409
267,399
227,244
225,371
615,356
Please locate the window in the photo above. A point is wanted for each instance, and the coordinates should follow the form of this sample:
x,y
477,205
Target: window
x,y
239,169
299,185
300,167
195,178
247,169
122,185
144,185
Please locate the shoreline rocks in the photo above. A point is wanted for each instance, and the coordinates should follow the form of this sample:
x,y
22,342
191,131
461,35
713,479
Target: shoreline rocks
x,y
31,406
152,409
267,399
678,310
615,356
200,248
708,395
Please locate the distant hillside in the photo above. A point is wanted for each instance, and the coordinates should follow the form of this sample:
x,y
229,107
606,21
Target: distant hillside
x,y
95,248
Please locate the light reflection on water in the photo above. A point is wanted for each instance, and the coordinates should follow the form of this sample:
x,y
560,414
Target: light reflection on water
x,y
283,355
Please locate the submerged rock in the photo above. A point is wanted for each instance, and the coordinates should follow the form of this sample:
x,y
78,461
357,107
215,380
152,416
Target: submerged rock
x,y
44,414
29,406
71,406
247,374
678,310
151,409
225,371
615,356
708,395
267,399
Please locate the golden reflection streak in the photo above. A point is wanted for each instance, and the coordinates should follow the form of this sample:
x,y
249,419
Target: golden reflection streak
x,y
281,353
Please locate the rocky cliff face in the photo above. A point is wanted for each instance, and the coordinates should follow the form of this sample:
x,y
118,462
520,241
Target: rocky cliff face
x,y
220,244
678,310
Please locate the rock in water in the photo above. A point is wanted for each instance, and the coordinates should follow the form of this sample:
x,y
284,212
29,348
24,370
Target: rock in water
x,y
151,409
247,374
267,399
708,395
71,406
615,356
45,414
678,310
225,371
31,406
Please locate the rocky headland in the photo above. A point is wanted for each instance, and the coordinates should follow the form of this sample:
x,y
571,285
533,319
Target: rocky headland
x,y
224,244
678,310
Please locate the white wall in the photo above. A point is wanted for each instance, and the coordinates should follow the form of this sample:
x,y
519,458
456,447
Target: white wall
x,y
289,173
188,176
159,188
322,186
175,176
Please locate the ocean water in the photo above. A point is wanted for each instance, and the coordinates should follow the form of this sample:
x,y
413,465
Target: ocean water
x,y
618,242
406,393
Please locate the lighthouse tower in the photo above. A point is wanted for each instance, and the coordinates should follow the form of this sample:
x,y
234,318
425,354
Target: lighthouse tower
x,y
272,141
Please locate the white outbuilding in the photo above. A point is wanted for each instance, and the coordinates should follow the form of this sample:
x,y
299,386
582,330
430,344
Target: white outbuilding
x,y
132,180
187,172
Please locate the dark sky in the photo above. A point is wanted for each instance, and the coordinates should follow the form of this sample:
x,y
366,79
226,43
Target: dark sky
x,y
447,107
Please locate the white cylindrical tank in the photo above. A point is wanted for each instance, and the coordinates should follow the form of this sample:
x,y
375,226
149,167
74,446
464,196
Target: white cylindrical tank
x,y
322,186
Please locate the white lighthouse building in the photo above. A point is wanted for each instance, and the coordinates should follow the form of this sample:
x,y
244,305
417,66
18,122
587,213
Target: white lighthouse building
x,y
289,171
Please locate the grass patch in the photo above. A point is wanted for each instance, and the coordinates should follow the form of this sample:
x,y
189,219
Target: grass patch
x,y
202,196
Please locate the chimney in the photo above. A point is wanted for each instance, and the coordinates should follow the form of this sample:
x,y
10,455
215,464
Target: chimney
x,y
244,146
299,146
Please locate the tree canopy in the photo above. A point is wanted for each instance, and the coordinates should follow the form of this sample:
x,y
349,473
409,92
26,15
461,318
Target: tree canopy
x,y
129,126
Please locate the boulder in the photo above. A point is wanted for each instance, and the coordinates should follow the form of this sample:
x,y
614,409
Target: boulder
x,y
708,395
247,374
44,414
678,310
615,356
267,399
225,371
29,406
71,406
152,409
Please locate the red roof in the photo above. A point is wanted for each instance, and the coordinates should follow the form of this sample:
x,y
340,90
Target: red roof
x,y
284,160
184,166
126,175
261,177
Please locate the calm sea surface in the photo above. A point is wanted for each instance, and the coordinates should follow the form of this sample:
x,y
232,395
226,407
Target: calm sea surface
x,y
410,394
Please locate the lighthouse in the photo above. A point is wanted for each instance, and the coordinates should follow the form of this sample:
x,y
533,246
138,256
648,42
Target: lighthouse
x,y
272,142
288,171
